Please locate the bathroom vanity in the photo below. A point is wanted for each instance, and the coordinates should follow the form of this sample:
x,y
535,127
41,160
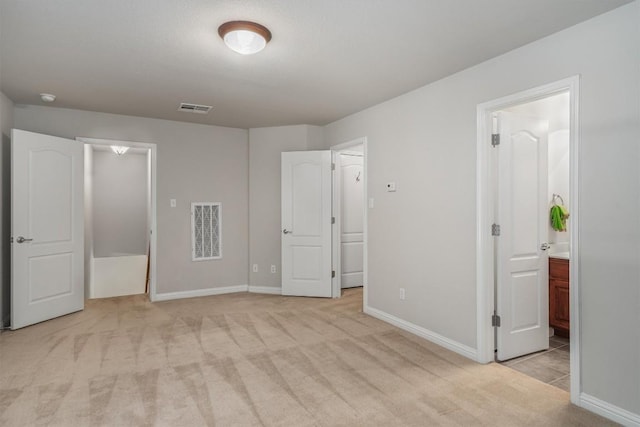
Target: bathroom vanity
x,y
559,295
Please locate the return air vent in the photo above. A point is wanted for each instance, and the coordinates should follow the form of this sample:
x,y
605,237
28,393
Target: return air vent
x,y
194,108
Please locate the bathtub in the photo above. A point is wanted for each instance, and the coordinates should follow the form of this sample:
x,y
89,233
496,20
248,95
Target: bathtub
x,y
118,275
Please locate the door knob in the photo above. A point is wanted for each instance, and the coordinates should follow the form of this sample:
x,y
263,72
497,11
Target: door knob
x,y
285,231
21,239
545,246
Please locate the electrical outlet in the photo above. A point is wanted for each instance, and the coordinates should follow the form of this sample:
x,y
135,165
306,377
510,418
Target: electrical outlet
x,y
402,294
273,268
255,268
391,187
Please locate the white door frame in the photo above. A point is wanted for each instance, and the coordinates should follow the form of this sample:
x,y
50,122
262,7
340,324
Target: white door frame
x,y
337,194
153,238
485,213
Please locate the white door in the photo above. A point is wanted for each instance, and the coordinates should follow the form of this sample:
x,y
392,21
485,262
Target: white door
x,y
47,227
522,260
351,219
306,223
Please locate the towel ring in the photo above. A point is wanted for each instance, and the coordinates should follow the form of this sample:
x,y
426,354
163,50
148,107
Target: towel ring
x,y
557,196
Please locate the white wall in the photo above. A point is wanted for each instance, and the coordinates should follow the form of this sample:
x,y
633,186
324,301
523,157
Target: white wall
x,y
559,179
265,146
119,195
556,110
194,163
6,123
423,236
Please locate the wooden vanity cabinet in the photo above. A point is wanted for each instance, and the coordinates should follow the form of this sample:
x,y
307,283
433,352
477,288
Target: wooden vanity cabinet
x,y
559,296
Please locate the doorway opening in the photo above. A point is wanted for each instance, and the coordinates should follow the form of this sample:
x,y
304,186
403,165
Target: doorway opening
x,y
119,218
527,233
550,363
349,248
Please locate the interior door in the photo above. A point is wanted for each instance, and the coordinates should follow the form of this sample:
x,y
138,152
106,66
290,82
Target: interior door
x,y
351,219
306,223
47,227
522,262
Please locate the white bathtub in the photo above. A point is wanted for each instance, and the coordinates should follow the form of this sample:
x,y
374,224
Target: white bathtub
x,y
118,275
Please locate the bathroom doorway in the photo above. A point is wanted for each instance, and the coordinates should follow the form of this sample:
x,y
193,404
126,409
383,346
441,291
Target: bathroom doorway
x,y
545,123
119,218
526,171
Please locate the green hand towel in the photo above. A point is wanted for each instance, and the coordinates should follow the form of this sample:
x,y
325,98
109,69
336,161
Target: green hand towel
x,y
559,215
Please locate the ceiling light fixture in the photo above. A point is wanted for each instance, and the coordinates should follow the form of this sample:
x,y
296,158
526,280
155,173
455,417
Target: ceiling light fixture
x,y
47,97
244,37
119,149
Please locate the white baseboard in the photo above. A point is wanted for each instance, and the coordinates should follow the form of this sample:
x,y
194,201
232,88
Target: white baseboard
x,y
607,410
447,343
201,292
273,290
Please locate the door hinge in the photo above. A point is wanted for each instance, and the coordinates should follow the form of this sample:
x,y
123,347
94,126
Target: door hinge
x,y
333,274
495,139
333,166
333,220
495,230
495,320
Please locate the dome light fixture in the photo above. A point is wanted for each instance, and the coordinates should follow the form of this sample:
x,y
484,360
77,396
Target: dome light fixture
x,y
47,97
244,37
119,149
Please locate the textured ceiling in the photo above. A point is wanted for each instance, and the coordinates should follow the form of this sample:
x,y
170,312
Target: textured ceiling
x,y
327,59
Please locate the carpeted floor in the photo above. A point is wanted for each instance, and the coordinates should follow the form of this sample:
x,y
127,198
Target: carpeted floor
x,y
249,360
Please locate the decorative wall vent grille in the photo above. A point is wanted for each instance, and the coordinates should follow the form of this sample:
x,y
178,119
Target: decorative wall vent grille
x,y
206,223
194,108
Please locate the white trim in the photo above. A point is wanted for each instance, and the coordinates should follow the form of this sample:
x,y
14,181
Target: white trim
x,y
201,293
435,338
336,250
484,242
153,241
607,410
271,290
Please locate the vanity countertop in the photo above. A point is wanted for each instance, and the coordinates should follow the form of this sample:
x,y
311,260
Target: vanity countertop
x,y
560,255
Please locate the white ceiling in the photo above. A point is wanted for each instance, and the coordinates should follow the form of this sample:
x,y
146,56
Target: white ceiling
x,y
327,59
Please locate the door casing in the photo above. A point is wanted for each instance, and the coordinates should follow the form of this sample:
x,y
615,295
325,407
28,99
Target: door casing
x,y
485,200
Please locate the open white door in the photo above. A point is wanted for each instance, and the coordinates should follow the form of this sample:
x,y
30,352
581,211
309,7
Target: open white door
x,y
350,166
522,261
306,223
47,227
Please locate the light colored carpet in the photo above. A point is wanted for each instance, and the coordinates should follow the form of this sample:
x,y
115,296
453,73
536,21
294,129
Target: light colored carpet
x,y
249,360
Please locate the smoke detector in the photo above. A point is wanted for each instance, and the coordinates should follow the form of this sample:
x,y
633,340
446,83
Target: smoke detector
x,y
47,97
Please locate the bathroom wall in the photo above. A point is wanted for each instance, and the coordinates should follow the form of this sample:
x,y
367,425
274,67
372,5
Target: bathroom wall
x,y
554,109
119,193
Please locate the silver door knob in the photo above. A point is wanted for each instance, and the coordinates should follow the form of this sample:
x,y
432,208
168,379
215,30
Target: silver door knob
x,y
545,246
285,231
21,239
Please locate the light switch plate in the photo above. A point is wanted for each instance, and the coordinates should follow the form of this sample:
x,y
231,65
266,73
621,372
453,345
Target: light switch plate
x,y
172,202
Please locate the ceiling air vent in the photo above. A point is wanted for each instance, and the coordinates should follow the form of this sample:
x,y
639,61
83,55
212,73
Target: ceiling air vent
x,y
194,108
